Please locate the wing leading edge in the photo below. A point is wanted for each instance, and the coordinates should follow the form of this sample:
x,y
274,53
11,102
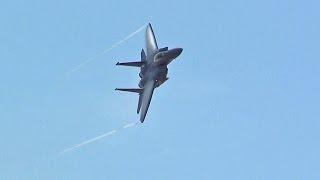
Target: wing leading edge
x,y
151,42
146,97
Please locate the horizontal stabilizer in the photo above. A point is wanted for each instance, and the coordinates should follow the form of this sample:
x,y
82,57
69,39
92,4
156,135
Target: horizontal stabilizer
x,y
134,64
135,90
143,56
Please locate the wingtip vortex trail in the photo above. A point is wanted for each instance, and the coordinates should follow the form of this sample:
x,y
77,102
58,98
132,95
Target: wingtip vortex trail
x,y
88,60
129,125
97,138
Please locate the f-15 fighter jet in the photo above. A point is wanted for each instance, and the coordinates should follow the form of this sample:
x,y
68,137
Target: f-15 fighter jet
x,y
153,70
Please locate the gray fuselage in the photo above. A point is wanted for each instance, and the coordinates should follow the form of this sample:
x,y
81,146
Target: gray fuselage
x,y
156,68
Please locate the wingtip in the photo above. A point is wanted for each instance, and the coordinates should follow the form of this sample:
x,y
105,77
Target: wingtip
x,y
117,63
149,26
142,118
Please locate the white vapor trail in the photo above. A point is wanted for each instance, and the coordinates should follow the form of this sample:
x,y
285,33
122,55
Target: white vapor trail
x,y
106,50
97,138
129,125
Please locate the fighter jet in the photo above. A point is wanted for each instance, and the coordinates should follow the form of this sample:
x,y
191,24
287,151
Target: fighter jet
x,y
153,70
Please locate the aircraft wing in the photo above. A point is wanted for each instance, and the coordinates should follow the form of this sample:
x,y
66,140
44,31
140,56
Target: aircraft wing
x,y
146,98
151,43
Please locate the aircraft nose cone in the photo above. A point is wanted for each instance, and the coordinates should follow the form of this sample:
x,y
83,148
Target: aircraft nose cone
x,y
177,52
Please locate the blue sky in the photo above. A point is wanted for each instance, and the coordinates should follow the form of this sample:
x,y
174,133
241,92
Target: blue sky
x,y
242,101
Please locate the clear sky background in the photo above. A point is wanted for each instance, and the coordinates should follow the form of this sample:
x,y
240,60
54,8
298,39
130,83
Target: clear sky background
x,y
242,101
